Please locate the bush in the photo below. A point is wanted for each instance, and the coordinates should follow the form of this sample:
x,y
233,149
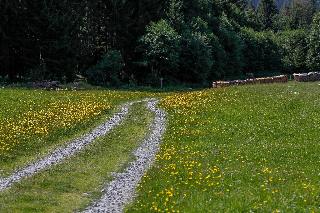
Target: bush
x,y
3,80
261,51
219,59
107,71
313,59
162,47
233,47
196,53
39,73
294,50
196,58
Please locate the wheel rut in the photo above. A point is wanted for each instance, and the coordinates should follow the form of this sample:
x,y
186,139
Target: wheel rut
x,y
121,191
64,152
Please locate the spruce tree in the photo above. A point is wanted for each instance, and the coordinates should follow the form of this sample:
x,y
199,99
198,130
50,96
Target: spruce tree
x,y
301,13
174,14
251,17
266,12
12,34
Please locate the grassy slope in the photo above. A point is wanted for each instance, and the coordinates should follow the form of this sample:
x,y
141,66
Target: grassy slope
x,y
21,104
241,149
75,183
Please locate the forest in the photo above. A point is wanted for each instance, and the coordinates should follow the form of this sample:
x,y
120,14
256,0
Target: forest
x,y
128,42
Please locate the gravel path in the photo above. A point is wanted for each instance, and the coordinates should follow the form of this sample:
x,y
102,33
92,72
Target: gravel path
x,y
121,191
62,153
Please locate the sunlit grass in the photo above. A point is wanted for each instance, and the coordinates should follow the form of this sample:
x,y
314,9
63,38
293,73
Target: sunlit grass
x,y
240,149
35,121
79,180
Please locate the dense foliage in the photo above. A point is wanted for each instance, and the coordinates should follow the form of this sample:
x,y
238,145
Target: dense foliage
x,y
313,61
117,42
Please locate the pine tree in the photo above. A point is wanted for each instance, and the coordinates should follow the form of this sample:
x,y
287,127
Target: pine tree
x,y
266,12
37,32
251,17
301,13
174,14
12,34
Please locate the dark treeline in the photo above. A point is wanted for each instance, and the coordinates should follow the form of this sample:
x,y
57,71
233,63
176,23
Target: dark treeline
x,y
137,42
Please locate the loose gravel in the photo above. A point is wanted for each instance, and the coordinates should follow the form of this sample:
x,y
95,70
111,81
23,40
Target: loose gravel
x,y
121,190
60,154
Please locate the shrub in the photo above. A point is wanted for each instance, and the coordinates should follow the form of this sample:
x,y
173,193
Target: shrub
x,y
196,58
219,59
233,47
313,59
294,50
261,51
162,47
107,71
196,52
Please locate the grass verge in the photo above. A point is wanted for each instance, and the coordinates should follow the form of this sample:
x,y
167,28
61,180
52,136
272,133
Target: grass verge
x,y
75,183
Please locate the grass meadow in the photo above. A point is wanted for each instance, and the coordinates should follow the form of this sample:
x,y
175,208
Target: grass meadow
x,y
239,149
78,181
33,122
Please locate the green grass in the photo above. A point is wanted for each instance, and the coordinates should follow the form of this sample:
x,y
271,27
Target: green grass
x,y
239,149
75,183
23,112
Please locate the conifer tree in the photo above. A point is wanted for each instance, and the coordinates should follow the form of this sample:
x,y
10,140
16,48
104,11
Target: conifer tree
x,y
266,12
